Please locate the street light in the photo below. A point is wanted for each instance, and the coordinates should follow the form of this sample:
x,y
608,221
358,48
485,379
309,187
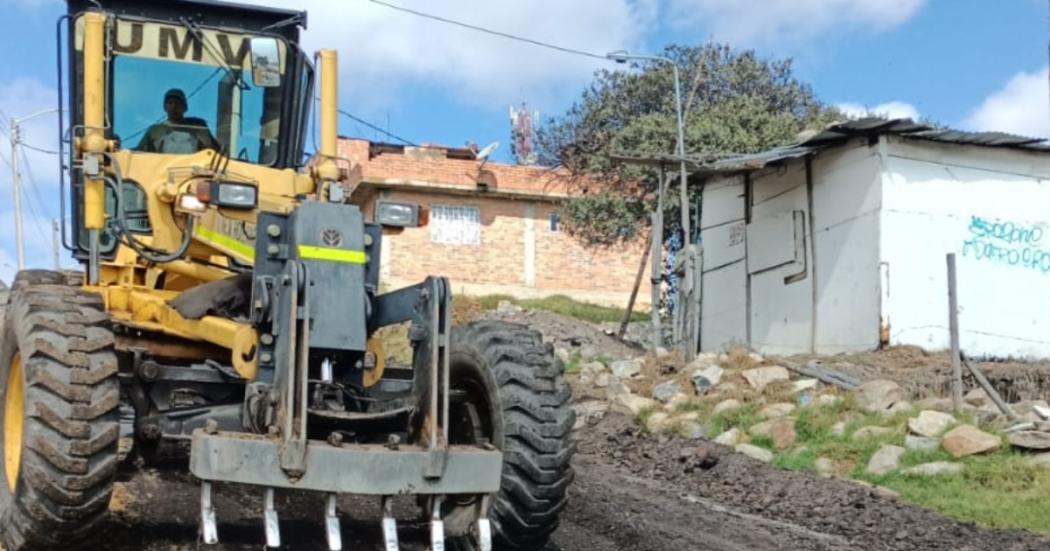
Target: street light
x,y
623,57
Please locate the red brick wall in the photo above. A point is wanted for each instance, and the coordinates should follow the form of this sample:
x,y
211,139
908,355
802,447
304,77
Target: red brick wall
x,y
510,258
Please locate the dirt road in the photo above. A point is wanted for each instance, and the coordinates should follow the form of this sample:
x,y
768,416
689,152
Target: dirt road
x,y
634,492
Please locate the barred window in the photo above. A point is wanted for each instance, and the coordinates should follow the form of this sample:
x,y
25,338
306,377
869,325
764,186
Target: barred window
x,y
455,225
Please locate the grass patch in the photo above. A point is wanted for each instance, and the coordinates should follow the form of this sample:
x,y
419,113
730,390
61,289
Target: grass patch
x,y
996,490
566,306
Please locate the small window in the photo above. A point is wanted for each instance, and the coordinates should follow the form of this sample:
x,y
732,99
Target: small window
x,y
455,225
555,222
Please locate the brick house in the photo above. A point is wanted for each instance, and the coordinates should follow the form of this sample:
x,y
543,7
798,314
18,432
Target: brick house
x,y
494,228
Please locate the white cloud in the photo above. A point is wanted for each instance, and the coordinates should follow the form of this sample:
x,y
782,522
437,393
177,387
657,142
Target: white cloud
x,y
384,53
890,110
1022,106
778,21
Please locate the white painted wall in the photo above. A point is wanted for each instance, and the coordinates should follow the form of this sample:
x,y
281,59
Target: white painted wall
x,y
781,297
992,208
846,202
724,305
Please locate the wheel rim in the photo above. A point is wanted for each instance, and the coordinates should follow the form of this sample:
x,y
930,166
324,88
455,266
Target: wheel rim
x,y
14,417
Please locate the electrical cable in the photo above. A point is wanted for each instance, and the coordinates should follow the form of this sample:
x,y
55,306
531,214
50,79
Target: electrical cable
x,y
502,34
376,128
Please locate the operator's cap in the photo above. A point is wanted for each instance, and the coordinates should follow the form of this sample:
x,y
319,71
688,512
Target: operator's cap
x,y
175,93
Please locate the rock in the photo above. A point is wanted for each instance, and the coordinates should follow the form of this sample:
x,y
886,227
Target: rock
x,y
826,401
773,411
759,377
839,428
872,431
507,307
676,401
756,358
883,491
687,417
562,354
761,429
602,379
589,372
657,421
588,352
804,384
705,378
755,452
1030,440
1041,460
977,398
702,360
899,407
661,352
625,369
589,412
969,440
878,396
930,423
885,460
726,387
693,430
726,406
924,443
943,405
638,403
783,433
825,467
666,390
1042,410
937,468
730,437
615,389
723,358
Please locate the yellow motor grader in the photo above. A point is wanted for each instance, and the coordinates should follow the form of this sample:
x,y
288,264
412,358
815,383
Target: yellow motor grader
x,y
230,302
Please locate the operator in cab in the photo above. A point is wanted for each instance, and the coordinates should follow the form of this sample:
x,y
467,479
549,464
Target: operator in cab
x,y
179,133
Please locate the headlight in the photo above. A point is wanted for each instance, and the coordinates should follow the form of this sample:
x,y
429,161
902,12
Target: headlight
x,y
401,215
228,195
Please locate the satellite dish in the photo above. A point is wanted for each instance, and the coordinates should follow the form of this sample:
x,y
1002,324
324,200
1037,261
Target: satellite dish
x,y
489,149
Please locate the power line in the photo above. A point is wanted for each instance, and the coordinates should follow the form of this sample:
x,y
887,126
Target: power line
x,y
38,149
374,127
509,36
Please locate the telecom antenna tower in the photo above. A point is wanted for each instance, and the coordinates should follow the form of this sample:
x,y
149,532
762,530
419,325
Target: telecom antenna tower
x,y
522,133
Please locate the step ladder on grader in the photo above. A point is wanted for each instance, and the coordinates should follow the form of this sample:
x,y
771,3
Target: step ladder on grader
x,y
230,300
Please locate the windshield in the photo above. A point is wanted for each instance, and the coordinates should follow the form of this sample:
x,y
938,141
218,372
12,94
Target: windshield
x,y
180,90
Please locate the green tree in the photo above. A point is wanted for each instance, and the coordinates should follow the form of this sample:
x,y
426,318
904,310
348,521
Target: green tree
x,y
734,102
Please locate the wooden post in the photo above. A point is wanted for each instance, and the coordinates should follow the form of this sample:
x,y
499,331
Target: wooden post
x,y
988,388
634,290
953,329
656,245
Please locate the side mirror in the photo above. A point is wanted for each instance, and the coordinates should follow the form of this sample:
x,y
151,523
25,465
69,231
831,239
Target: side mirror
x,y
266,62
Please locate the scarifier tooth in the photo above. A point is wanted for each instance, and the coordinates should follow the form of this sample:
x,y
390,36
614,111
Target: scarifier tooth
x,y
390,542
209,528
270,522
333,531
437,527
484,535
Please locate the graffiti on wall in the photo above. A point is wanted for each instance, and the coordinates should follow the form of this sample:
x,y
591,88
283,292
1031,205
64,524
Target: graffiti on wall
x,y
1008,243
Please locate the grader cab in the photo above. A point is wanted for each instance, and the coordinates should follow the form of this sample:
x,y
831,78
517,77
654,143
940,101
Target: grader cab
x,y
230,300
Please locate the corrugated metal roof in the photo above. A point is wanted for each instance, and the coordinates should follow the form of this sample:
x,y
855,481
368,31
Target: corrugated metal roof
x,y
871,127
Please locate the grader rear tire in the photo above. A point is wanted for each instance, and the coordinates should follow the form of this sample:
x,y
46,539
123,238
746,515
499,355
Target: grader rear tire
x,y
59,425
521,400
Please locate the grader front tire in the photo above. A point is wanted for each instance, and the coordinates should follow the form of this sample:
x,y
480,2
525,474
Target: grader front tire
x,y
60,425
515,376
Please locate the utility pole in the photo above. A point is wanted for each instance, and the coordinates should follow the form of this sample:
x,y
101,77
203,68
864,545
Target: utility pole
x,y
16,140
15,184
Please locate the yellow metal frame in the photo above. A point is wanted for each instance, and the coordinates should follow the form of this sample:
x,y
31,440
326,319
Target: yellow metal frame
x,y
14,422
136,292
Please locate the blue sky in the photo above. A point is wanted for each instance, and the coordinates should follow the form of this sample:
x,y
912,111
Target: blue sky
x,y
978,64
